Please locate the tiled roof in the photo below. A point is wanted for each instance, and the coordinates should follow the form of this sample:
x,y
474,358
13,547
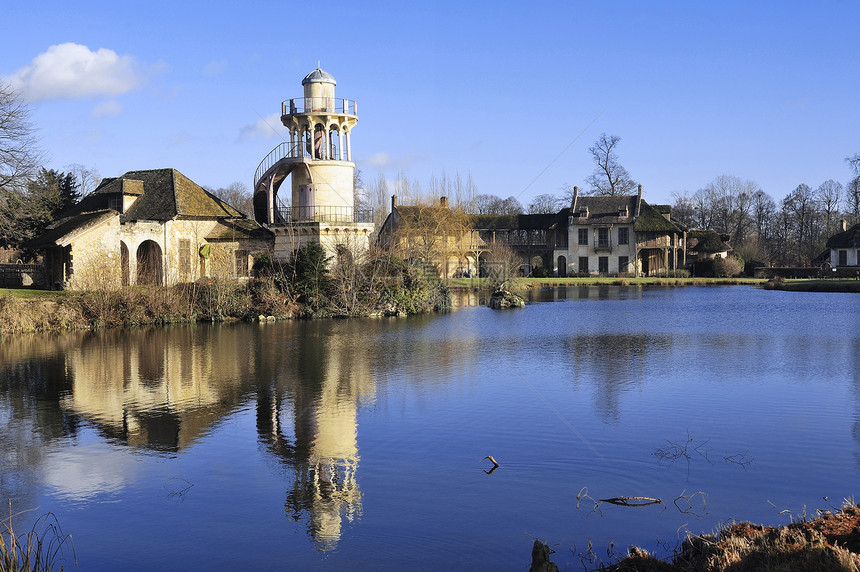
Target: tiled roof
x,y
169,194
650,220
163,194
234,229
846,239
604,210
706,241
518,221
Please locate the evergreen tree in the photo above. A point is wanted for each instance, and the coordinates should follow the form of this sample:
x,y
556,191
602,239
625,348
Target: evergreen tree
x,y
311,281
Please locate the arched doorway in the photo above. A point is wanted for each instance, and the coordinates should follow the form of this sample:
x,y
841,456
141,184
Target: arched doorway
x,y
562,266
149,269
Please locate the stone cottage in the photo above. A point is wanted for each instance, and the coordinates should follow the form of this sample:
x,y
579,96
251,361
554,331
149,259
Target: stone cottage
x,y
149,227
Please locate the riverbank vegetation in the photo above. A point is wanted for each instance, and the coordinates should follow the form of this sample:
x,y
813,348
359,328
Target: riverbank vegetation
x,y
387,287
310,286
829,542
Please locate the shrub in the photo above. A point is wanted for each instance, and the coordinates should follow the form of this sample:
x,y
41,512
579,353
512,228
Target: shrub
x,y
727,267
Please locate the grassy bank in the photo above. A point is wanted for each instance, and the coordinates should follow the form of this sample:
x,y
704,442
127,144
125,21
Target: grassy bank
x,y
24,310
828,543
27,310
813,285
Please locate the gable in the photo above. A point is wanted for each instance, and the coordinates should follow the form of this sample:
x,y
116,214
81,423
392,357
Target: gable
x,y
64,231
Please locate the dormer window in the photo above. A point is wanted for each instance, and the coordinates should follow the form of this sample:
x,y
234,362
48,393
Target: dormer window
x,y
583,212
115,203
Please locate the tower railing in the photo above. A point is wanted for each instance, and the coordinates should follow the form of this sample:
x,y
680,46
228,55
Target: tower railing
x,y
318,105
288,150
323,213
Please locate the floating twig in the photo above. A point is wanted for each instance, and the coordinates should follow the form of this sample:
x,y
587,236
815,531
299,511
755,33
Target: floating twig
x,y
494,462
686,507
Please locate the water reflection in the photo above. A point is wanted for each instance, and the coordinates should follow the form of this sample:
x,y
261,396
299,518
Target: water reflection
x,y
164,389
618,361
310,423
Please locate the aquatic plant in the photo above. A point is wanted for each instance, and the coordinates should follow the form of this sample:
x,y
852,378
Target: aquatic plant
x,y
40,548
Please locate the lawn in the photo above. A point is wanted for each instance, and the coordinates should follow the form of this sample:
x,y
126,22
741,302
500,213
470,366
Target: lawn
x,y
31,293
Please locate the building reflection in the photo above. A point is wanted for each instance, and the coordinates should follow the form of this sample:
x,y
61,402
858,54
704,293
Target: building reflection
x,y
164,389
311,424
158,388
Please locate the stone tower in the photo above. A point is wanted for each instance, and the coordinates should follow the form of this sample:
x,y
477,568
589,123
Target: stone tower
x,y
318,160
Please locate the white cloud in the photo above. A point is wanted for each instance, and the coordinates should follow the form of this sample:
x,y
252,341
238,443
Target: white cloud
x,y
380,161
107,109
385,162
269,127
214,68
72,70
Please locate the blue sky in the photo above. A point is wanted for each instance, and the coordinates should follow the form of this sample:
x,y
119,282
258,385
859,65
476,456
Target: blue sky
x,y
513,93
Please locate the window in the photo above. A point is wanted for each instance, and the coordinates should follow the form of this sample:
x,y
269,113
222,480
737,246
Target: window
x,y
623,262
843,258
603,238
241,263
184,259
583,265
624,235
115,203
583,236
603,264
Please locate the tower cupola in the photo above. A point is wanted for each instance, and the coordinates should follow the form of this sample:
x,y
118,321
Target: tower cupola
x,y
319,85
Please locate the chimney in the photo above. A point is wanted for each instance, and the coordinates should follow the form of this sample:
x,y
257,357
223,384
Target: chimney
x,y
443,202
844,225
574,199
640,191
393,202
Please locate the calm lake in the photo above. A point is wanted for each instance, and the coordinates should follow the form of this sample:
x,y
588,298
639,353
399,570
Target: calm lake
x,y
360,444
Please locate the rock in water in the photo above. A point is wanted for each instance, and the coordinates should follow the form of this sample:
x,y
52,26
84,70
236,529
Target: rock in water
x,y
540,558
505,299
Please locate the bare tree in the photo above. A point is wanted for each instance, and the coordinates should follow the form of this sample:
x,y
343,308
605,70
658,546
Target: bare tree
x,y
683,208
237,196
360,200
378,195
433,234
725,206
852,199
19,152
88,177
495,205
853,190
609,178
829,195
503,265
545,204
801,213
763,212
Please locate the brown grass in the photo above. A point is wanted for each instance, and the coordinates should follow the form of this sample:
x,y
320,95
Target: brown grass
x,y
829,543
40,548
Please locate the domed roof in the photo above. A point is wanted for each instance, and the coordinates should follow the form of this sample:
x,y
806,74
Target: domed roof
x,y
319,76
